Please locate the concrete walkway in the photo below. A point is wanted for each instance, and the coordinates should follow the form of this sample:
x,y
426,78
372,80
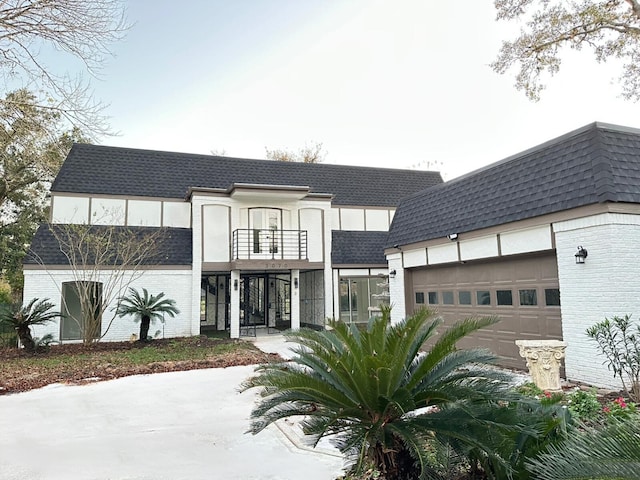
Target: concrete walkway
x,y
178,425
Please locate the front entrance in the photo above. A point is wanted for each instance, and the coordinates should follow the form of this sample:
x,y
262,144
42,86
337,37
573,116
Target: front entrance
x,y
265,301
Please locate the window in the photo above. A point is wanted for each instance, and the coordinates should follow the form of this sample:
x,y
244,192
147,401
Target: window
x,y
552,297
528,297
504,297
419,297
81,311
361,298
447,298
464,298
265,225
433,298
483,297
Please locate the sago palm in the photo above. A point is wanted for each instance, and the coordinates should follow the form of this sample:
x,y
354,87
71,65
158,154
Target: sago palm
x,y
610,451
21,318
384,401
146,308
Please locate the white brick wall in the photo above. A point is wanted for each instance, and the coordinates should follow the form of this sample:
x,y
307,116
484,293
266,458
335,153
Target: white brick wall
x,y
176,284
396,288
607,284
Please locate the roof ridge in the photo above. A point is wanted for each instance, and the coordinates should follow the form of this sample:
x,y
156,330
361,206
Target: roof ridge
x,y
226,157
604,183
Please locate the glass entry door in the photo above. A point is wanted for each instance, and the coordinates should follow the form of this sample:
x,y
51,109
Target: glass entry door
x,y
252,301
265,301
266,226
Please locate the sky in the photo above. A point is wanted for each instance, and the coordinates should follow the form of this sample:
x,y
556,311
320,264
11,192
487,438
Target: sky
x,y
384,83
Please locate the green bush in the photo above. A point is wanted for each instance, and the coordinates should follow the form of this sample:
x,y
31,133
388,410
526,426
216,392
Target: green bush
x,y
399,412
584,405
5,293
619,341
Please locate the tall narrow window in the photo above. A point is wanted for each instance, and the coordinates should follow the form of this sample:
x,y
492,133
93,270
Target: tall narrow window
x,y
81,311
266,226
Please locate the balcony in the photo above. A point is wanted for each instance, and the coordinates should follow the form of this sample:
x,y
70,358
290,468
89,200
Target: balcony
x,y
269,244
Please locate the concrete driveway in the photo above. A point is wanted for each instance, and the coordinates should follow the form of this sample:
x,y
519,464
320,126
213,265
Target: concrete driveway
x,y
178,425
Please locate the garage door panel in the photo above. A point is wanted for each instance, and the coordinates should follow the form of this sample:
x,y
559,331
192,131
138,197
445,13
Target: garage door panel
x,y
532,325
516,321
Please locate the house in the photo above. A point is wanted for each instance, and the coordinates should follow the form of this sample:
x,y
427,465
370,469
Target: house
x,y
546,239
242,244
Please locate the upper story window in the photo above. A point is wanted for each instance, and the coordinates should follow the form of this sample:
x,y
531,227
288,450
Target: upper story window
x,y
265,223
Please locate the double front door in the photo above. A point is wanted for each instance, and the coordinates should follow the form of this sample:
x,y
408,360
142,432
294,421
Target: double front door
x,y
265,300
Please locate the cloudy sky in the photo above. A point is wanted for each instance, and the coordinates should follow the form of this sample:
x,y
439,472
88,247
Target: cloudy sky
x,y
388,83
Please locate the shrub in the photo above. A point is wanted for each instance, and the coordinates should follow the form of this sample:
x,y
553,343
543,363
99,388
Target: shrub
x,y
393,409
584,405
5,293
619,409
619,341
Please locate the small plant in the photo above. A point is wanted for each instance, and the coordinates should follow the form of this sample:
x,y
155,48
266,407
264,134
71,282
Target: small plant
x,y
620,409
21,318
529,389
584,405
619,341
145,308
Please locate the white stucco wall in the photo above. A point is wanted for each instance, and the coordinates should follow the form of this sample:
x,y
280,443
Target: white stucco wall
x,y
377,220
69,209
176,214
311,221
482,247
176,284
144,212
352,219
415,258
607,284
216,237
108,211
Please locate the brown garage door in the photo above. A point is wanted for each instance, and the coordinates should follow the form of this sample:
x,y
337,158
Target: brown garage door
x,y
523,292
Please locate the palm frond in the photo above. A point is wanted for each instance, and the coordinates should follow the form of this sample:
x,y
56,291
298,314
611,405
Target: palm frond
x,y
364,389
607,452
36,312
140,305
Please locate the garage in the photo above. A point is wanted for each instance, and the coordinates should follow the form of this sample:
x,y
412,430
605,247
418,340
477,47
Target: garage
x,y
522,291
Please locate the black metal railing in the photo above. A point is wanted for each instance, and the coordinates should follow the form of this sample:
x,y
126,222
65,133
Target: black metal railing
x,y
256,244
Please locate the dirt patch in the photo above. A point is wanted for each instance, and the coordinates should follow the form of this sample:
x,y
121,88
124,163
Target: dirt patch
x,y
79,364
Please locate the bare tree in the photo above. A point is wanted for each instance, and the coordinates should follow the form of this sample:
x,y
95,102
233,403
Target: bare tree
x,y
104,261
611,28
81,28
307,154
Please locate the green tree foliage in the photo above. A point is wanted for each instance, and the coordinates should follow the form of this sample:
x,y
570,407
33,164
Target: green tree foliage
x,y
5,292
390,405
146,308
610,28
32,149
21,318
307,154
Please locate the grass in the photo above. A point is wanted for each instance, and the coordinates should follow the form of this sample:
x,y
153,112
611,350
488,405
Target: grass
x,y
75,363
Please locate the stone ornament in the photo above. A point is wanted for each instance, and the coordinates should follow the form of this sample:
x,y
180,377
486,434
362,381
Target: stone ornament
x,y
543,360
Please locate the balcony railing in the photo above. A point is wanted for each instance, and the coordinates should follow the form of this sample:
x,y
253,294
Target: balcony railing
x,y
255,244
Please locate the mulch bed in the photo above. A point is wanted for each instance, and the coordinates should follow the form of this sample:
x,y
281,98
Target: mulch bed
x,y
96,367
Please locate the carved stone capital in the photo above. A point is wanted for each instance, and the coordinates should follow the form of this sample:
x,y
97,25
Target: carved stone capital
x,y
543,360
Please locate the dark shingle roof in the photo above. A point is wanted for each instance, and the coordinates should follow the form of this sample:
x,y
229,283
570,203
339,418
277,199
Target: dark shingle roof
x,y
594,164
92,169
173,244
358,248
